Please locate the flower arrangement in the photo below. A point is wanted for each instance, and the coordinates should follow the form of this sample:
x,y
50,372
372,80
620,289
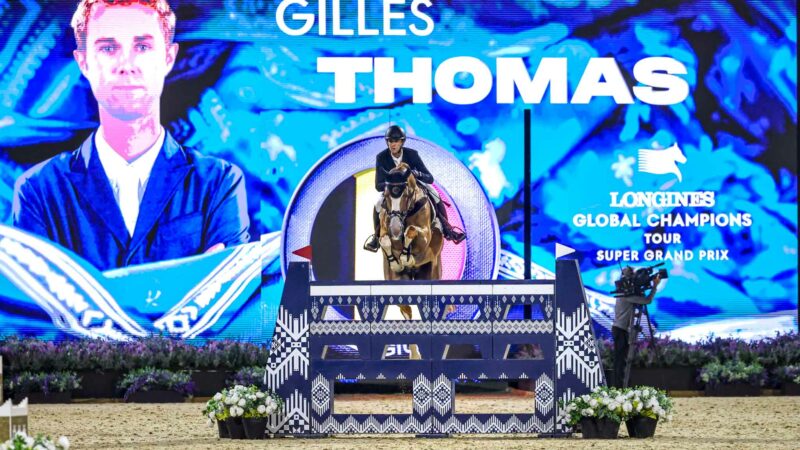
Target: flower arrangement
x,y
649,402
619,405
612,405
251,403
35,355
249,376
22,441
603,403
248,402
781,350
733,371
151,379
215,409
45,383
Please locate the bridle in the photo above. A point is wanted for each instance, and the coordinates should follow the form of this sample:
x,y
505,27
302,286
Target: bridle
x,y
405,211
409,206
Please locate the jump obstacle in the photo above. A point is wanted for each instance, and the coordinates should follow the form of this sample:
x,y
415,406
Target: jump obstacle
x,y
557,324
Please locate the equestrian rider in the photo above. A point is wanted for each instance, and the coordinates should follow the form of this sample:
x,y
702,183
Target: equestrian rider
x,y
390,158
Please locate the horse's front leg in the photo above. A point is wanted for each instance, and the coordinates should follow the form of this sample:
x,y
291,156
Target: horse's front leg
x,y
413,232
386,245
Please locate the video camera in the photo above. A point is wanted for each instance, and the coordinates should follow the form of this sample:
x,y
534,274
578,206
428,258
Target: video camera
x,y
642,280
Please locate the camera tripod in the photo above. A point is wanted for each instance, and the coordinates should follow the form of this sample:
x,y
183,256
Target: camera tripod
x,y
634,329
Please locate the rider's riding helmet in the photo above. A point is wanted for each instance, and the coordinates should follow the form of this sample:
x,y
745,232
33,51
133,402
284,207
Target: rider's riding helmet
x,y
395,133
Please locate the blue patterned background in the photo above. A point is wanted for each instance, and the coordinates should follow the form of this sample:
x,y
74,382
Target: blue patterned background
x,y
244,91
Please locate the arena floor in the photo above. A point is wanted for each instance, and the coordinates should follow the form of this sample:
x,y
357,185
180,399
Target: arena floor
x,y
757,423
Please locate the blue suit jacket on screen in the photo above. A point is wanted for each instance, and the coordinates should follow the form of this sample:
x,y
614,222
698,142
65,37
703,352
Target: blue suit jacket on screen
x,y
191,203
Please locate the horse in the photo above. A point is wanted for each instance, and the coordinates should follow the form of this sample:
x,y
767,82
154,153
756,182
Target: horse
x,y
664,161
412,246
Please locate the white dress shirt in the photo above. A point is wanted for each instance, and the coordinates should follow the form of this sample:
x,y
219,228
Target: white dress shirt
x,y
397,160
128,180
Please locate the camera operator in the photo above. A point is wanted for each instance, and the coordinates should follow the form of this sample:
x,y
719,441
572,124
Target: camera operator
x,y
623,315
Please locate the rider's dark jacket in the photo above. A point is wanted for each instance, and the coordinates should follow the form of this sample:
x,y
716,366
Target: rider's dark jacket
x,y
384,163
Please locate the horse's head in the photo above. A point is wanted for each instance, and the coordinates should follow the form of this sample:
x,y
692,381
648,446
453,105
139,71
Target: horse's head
x,y
399,198
677,154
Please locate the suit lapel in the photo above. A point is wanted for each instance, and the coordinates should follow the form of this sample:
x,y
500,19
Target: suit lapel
x,y
91,183
168,171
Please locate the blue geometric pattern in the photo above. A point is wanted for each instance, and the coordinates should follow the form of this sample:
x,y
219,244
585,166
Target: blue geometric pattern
x,y
299,369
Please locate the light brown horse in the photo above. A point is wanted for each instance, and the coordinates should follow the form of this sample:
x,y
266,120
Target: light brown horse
x,y
412,247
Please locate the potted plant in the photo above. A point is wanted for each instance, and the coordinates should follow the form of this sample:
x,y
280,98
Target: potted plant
x,y
648,406
733,378
234,406
244,410
789,378
598,413
150,385
22,441
44,387
216,411
258,406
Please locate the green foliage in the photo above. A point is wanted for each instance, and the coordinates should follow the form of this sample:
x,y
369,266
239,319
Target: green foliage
x,y
733,371
46,383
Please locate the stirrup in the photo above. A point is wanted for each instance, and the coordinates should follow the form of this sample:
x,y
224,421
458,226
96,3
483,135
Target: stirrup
x,y
370,240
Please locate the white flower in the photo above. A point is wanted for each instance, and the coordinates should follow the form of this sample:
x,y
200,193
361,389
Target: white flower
x,y
262,409
593,403
588,412
242,402
271,408
217,396
585,398
260,394
627,407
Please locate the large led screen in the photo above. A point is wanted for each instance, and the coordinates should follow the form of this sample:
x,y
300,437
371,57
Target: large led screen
x,y
660,132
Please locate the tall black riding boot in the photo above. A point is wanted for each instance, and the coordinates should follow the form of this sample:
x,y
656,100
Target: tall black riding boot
x,y
448,231
372,242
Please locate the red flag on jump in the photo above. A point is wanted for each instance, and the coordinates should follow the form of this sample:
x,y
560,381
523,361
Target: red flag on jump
x,y
304,252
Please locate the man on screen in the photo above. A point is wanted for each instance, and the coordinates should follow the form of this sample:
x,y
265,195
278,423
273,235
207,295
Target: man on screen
x,y
130,194
388,159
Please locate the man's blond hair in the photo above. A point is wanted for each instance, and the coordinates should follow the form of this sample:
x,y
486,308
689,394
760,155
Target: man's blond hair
x,y
80,20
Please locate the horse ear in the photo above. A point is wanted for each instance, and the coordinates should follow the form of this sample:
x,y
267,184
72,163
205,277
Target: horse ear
x,y
412,181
